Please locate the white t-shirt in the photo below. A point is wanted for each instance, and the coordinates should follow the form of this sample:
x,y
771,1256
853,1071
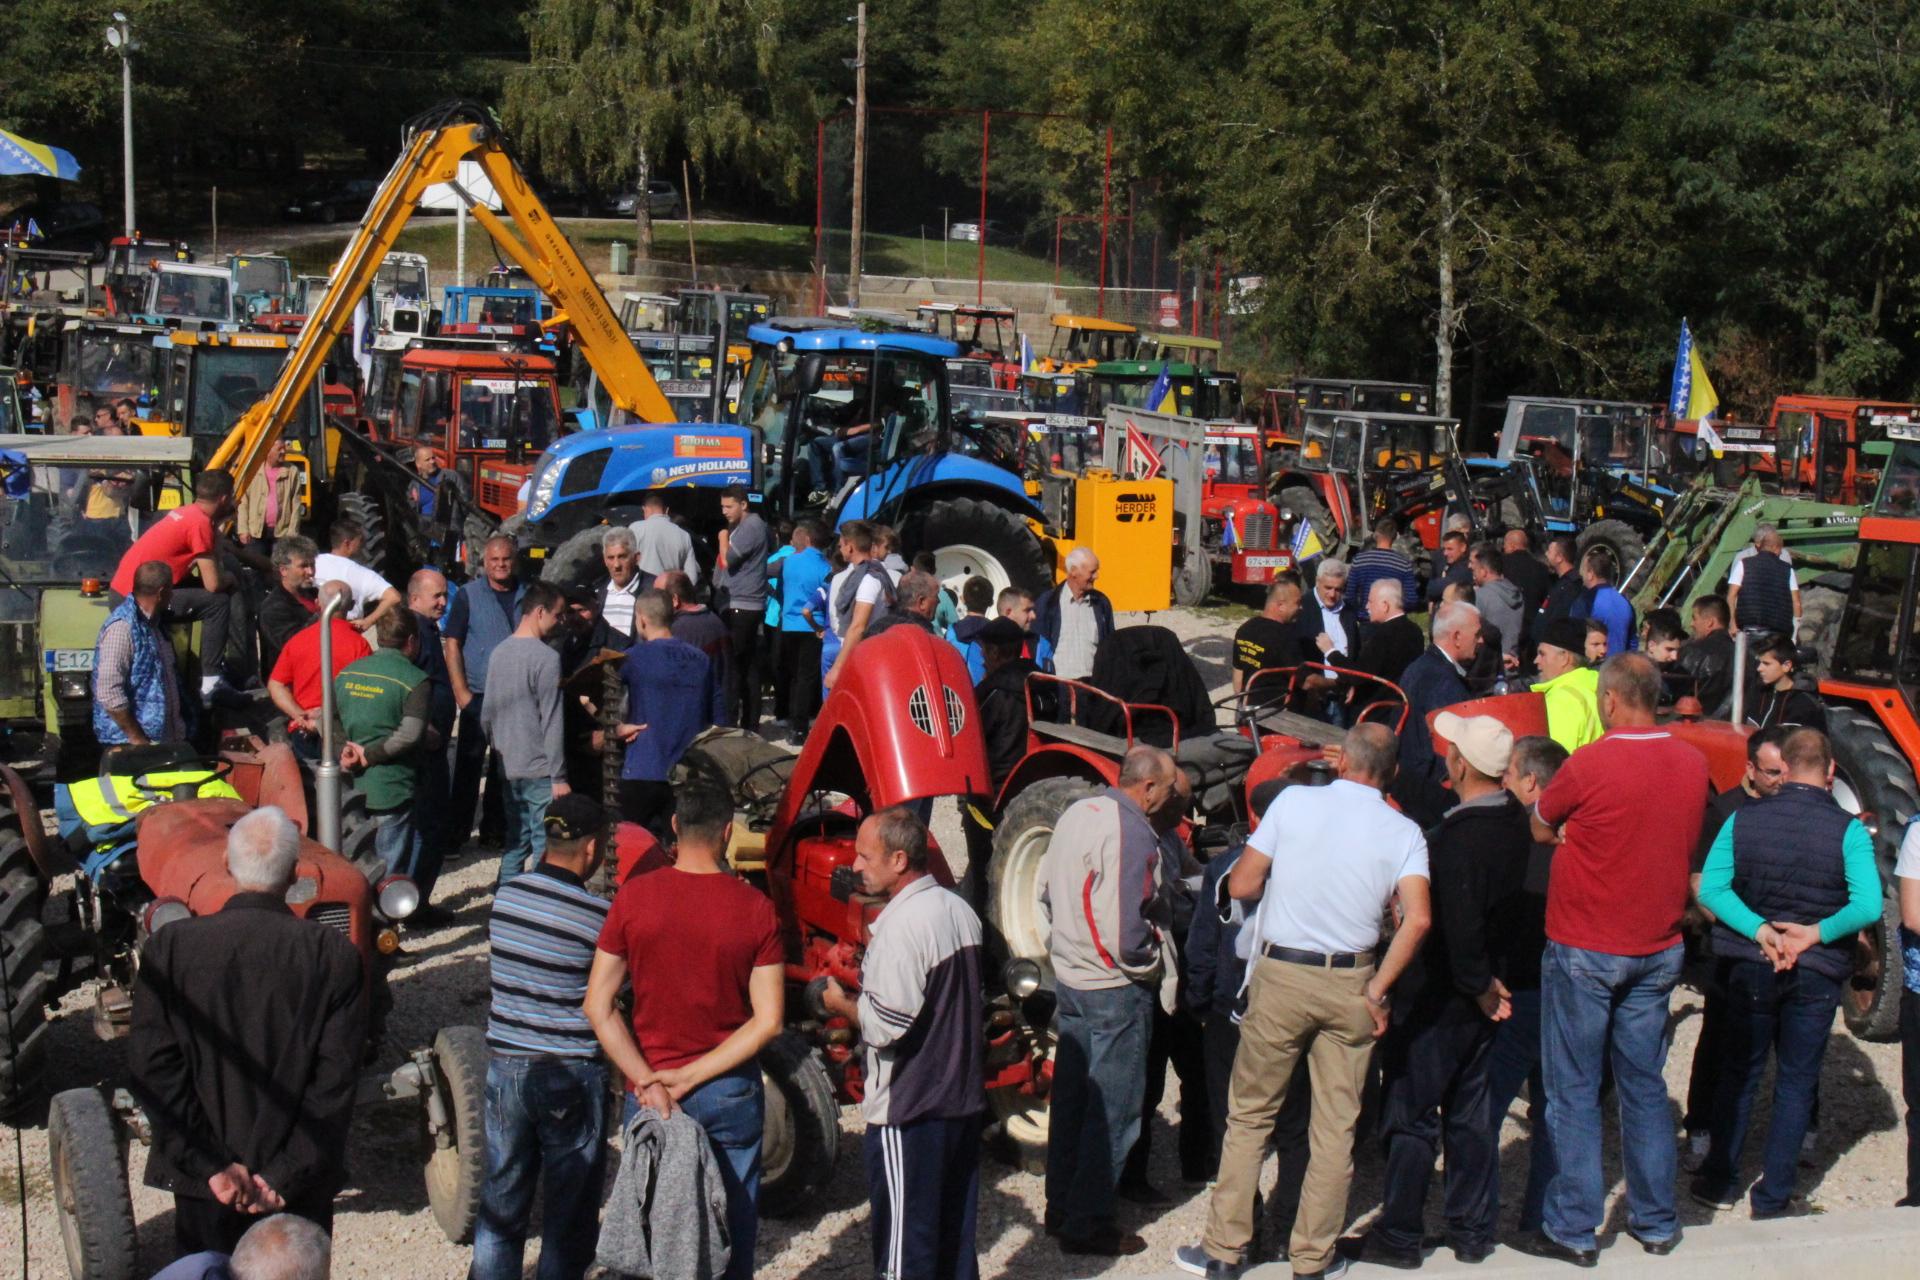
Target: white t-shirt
x,y
1907,865
1338,851
366,584
869,593
618,614
1740,564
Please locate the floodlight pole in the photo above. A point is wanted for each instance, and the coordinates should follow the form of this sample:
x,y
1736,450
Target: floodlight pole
x,y
859,154
120,39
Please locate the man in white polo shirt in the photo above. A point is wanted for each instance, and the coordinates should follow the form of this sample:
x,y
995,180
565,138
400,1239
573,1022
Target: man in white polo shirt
x,y
1315,987
348,537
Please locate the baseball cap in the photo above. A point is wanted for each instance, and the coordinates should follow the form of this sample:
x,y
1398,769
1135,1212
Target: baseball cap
x,y
1484,741
574,816
1566,633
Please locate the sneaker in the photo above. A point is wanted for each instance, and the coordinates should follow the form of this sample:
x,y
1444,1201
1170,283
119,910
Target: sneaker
x,y
1336,1267
1195,1261
1713,1197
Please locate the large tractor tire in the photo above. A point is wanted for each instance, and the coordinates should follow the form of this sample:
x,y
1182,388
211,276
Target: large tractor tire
x,y
800,1134
1016,927
365,510
477,529
1193,579
1820,610
1305,504
968,537
1621,541
576,562
1872,776
29,981
91,1197
456,1172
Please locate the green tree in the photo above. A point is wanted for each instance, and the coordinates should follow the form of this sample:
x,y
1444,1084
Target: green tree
x,y
614,85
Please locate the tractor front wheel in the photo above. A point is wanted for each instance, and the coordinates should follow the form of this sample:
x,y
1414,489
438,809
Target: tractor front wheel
x,y
1193,579
91,1198
800,1132
1016,926
1621,542
969,537
365,510
1303,503
1873,778
576,563
456,1171
29,983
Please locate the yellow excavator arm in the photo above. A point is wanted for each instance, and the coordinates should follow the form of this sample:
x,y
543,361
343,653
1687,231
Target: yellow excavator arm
x,y
437,143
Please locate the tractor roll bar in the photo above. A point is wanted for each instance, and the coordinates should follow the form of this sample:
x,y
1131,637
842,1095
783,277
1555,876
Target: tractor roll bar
x,y
1247,710
1126,708
326,784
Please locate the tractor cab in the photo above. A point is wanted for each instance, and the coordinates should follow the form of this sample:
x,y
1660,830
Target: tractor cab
x,y
207,380
987,334
1080,342
1352,466
186,295
1189,391
1612,434
683,364
402,301
1818,444
1240,527
1178,348
262,284
518,316
487,412
1285,408
725,315
125,278
648,312
103,361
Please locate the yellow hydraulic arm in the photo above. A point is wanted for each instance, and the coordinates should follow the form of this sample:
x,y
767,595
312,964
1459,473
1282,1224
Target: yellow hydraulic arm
x,y
437,142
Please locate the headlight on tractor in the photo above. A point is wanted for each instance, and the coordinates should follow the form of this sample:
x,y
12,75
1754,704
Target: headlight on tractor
x,y
544,487
70,685
1022,978
397,897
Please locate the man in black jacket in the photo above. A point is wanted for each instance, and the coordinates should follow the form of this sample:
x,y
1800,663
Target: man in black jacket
x,y
1393,641
1001,702
1708,657
293,600
1563,558
248,1029
1444,1012
1524,571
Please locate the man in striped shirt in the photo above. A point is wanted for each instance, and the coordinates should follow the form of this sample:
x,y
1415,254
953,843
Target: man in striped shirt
x,y
1382,560
546,1082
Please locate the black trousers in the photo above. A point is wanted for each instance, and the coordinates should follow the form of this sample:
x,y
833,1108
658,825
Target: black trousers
x,y
473,760
1709,1053
1435,1089
212,610
800,661
648,803
1176,1042
201,1225
1910,1086
924,1180
743,673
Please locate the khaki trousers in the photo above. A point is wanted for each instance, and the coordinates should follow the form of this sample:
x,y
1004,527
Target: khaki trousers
x,y
1293,1009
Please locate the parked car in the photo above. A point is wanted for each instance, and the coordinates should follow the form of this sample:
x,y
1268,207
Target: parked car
x,y
970,231
331,199
663,201
70,225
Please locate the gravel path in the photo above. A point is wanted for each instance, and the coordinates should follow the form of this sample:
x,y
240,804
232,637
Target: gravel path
x,y
384,1229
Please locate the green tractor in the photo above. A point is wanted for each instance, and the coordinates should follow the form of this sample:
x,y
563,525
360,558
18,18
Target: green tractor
x,y
54,573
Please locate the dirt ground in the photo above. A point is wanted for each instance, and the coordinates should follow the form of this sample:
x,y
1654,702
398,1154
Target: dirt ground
x,y
384,1229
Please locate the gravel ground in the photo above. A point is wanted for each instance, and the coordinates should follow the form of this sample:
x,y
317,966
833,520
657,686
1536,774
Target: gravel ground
x,y
384,1228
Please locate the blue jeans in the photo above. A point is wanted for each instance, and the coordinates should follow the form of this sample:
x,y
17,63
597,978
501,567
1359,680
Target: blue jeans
x,y
1599,1008
1099,1082
545,1120
1790,1015
526,802
732,1109
397,841
1516,1061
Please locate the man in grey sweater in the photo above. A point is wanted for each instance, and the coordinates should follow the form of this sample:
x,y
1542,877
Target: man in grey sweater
x,y
1500,601
522,718
740,587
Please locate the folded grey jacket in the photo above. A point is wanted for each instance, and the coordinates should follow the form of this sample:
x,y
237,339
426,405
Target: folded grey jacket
x,y
667,1218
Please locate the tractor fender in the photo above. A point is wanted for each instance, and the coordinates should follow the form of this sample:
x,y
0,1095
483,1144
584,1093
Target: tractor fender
x,y
942,475
51,858
1057,760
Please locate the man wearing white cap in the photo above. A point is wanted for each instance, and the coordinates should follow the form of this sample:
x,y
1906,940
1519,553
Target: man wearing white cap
x,y
1436,1055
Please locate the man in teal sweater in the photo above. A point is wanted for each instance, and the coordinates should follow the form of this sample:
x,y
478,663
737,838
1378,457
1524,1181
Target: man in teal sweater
x,y
1790,879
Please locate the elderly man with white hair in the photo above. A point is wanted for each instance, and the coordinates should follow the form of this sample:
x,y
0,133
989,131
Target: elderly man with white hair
x,y
1435,679
280,1247
1073,620
248,1029
613,612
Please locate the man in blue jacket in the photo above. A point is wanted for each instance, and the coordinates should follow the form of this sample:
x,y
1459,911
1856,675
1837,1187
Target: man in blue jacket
x,y
670,700
801,574
1072,621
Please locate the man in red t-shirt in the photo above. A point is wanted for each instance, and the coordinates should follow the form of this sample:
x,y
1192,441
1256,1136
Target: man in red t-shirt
x,y
1625,811
185,538
294,684
702,949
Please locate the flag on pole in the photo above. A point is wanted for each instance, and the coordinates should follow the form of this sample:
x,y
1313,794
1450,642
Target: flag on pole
x,y
1306,541
33,230
1692,396
1026,354
1160,396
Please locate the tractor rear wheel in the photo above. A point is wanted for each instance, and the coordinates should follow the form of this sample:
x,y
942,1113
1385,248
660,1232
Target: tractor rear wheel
x,y
29,984
800,1132
1305,504
1193,579
1016,927
1872,777
576,562
456,1172
1621,541
969,537
365,510
86,1152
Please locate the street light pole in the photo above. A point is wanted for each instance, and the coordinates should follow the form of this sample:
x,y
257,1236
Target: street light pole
x,y
120,40
854,265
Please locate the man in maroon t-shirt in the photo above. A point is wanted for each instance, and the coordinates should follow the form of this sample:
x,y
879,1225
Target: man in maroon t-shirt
x,y
702,949
1625,811
185,538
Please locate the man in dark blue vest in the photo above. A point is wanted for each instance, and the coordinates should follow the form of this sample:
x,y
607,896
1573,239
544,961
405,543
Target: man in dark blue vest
x,y
1762,590
484,612
1790,880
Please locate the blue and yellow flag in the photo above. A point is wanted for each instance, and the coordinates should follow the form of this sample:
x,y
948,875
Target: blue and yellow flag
x,y
1160,397
20,155
1306,541
1693,396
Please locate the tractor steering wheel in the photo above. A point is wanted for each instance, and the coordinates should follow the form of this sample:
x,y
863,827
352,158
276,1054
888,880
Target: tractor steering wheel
x,y
1399,460
216,771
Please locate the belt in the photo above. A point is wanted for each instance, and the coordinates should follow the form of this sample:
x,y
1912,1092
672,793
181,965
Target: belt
x,y
1316,959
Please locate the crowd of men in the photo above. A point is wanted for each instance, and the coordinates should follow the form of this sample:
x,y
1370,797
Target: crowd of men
x,y
1454,917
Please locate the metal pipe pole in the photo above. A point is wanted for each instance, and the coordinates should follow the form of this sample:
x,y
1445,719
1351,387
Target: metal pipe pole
x,y
858,253
820,218
126,122
986,149
326,784
1106,203
1739,678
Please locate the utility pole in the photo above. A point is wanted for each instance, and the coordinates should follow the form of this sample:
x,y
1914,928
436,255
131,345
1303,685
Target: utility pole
x,y
120,40
859,152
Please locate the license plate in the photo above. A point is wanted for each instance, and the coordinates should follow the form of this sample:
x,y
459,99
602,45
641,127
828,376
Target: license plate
x,y
1066,421
69,659
1268,562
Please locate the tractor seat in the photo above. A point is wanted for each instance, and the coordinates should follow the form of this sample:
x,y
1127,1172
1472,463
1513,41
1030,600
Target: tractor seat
x,y
1078,735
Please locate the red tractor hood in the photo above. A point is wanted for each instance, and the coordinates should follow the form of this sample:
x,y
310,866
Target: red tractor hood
x,y
183,854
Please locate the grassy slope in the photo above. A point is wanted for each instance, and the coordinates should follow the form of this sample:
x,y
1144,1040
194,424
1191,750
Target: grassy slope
x,y
741,246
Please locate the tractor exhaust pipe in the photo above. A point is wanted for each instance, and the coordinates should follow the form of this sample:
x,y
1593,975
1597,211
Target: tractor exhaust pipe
x,y
1740,642
326,784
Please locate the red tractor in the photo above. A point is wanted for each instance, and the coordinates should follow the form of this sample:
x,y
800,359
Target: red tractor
x,y
1242,531
162,862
